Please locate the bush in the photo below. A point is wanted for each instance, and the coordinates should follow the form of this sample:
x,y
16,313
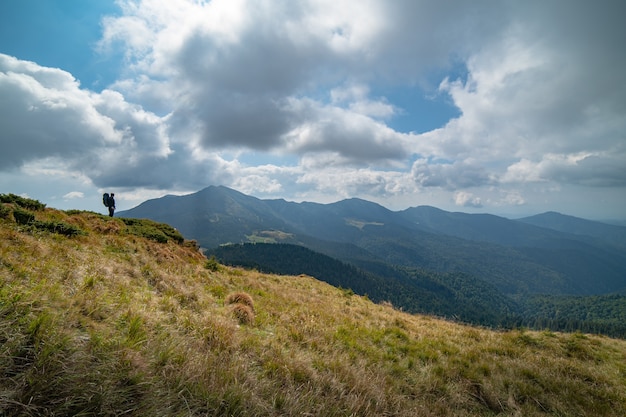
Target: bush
x,y
23,202
159,232
27,218
212,264
23,216
61,228
5,212
191,244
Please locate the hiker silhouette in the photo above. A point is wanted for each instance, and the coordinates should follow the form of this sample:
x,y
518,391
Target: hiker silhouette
x,y
109,202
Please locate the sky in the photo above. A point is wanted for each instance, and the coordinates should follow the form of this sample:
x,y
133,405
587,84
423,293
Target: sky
x,y
494,106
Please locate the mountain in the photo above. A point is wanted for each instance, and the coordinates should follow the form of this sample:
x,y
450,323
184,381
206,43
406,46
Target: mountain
x,y
516,257
481,227
580,227
213,216
105,316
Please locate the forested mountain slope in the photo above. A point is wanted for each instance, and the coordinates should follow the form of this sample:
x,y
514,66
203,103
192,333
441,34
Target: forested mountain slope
x,y
515,257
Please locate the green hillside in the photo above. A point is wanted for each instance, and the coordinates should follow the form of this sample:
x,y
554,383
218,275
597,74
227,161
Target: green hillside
x,y
104,316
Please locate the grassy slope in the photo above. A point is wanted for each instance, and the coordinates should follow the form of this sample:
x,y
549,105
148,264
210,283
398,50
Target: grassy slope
x,y
110,323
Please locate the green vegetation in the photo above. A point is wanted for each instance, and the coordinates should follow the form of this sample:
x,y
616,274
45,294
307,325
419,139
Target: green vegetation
x,y
113,322
152,230
601,314
26,203
212,264
28,219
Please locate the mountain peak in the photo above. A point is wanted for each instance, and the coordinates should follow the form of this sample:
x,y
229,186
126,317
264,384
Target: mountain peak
x,y
577,226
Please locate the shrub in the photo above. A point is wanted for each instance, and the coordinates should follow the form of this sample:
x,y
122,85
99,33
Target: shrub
x,y
23,202
212,264
61,228
159,232
5,212
23,216
191,244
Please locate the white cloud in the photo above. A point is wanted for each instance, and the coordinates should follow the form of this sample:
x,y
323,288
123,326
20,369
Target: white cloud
x,y
355,98
581,168
48,117
74,195
342,183
44,113
512,198
466,199
352,136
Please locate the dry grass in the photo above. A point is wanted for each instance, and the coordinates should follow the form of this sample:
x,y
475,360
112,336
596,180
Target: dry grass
x,y
243,313
109,323
240,298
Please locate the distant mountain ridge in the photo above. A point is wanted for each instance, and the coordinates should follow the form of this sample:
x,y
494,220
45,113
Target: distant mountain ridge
x,y
536,255
574,225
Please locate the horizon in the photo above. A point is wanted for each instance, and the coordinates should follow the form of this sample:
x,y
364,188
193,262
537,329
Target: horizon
x,y
615,222
506,108
99,208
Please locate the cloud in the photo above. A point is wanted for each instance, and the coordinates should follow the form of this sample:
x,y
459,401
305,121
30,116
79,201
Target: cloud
x,y
583,169
44,113
352,136
47,116
341,183
233,71
242,74
543,86
74,195
512,198
355,98
465,199
449,176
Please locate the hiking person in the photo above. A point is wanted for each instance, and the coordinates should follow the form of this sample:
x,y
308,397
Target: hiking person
x,y
109,202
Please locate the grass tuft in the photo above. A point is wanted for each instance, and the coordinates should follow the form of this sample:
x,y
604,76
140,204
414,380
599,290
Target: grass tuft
x,y
243,313
240,298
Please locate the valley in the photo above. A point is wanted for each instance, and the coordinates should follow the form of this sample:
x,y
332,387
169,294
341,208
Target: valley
x,y
487,270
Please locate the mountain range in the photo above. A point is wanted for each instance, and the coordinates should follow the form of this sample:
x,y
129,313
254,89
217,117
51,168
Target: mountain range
x,y
422,258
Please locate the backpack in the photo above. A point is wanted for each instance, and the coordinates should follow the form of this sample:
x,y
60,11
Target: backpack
x,y
106,200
